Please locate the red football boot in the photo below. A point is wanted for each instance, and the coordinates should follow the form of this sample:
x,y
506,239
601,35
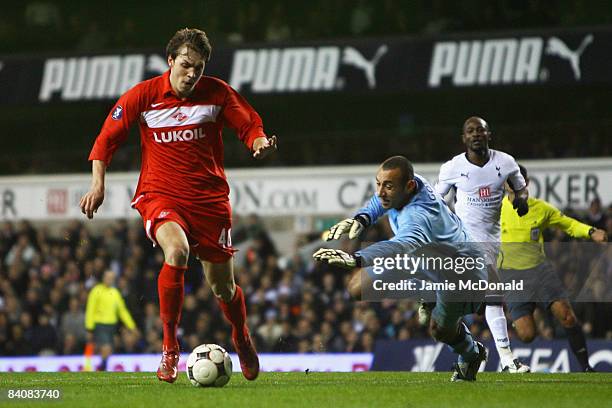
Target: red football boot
x,y
249,362
168,370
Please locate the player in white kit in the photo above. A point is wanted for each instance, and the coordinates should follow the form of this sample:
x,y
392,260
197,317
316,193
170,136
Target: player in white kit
x,y
478,177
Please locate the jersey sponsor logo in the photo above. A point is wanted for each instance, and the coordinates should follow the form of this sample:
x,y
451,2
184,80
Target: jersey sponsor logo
x,y
183,135
466,175
484,192
117,113
179,116
535,234
500,61
155,105
163,214
300,68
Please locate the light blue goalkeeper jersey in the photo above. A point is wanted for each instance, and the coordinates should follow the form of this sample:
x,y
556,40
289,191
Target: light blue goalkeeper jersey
x,y
426,219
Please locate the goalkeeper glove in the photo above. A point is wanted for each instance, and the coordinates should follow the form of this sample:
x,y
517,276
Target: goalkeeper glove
x,y
354,227
520,205
336,257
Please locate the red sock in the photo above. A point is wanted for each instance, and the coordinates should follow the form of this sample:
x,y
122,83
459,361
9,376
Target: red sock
x,y
235,310
170,287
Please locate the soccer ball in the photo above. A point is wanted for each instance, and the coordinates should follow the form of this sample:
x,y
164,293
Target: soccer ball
x,y
209,365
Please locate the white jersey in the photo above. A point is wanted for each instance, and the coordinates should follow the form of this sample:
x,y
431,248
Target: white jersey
x,y
479,191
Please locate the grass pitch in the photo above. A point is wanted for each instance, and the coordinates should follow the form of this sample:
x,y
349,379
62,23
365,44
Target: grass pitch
x,y
367,389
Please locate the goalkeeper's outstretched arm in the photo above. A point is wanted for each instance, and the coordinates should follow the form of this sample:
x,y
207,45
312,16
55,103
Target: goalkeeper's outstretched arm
x,y
353,226
364,217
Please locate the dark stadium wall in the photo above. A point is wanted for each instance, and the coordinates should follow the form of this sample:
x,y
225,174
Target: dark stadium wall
x,y
321,129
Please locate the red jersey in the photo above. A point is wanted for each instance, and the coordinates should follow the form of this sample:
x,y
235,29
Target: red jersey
x,y
182,148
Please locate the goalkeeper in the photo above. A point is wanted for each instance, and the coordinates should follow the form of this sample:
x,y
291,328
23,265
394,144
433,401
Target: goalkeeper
x,y
421,221
524,259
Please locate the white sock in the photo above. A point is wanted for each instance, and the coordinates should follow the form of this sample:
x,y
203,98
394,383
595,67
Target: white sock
x,y
499,329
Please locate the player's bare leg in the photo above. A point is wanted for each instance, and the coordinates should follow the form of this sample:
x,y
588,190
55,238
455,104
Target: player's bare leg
x,y
563,311
525,328
170,284
355,283
220,277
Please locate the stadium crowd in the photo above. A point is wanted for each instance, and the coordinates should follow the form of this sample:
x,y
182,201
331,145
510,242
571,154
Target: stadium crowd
x,y
294,305
51,24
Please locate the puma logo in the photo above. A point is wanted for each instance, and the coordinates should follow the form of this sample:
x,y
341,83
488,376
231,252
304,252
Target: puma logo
x,y
156,63
558,48
351,56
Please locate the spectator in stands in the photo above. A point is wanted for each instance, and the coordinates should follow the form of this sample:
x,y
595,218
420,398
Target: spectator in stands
x,y
22,251
94,38
277,29
4,332
361,18
44,337
70,345
270,331
130,342
73,323
596,216
18,345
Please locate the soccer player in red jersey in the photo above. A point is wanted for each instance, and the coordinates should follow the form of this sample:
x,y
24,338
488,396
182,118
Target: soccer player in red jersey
x,y
182,192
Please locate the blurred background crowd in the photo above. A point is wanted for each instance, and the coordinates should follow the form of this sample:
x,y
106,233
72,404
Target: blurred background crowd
x,y
294,305
51,24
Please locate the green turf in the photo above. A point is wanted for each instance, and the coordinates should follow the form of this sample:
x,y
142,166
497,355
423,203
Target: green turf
x,y
368,389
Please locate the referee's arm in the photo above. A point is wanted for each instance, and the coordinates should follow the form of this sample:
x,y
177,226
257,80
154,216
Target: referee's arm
x,y
90,309
569,225
124,313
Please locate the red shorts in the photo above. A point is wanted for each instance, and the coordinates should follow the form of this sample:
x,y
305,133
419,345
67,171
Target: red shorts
x,y
208,228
